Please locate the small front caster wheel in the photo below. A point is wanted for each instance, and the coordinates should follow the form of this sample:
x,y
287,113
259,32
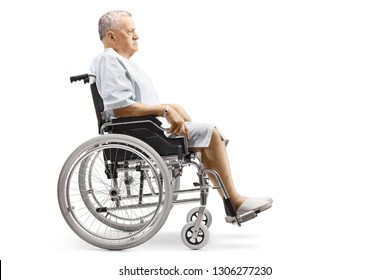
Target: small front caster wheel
x,y
197,242
193,215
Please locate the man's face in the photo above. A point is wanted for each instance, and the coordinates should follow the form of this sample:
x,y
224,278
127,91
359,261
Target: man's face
x,y
124,39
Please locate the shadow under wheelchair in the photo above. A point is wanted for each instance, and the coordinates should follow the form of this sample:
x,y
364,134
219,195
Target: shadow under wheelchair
x,y
169,240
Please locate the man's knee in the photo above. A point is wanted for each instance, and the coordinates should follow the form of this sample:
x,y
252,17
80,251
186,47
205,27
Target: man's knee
x,y
216,136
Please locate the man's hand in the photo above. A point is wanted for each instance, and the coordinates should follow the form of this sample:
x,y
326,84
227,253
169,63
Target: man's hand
x,y
178,125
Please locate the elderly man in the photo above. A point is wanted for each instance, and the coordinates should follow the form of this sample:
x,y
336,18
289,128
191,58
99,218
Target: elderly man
x,y
127,92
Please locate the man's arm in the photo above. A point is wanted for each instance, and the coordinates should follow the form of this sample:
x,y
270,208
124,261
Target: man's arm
x,y
139,109
177,122
181,112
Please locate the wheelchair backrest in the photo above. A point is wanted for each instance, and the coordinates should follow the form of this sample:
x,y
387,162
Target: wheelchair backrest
x,y
98,103
97,100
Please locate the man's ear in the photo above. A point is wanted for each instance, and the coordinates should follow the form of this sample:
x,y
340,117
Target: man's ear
x,y
111,36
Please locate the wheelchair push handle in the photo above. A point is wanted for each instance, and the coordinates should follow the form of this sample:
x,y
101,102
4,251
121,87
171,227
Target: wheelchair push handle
x,y
84,77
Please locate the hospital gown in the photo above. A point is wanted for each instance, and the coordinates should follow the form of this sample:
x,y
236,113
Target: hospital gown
x,y
122,83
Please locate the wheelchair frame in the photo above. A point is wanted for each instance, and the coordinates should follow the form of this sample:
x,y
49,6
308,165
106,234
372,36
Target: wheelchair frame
x,y
116,190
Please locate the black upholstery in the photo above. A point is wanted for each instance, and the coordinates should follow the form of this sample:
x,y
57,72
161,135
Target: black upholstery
x,y
98,103
148,130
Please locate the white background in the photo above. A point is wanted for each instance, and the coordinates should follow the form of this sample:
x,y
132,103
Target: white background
x,y
300,87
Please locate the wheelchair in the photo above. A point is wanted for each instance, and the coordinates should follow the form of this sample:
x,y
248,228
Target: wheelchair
x,y
116,190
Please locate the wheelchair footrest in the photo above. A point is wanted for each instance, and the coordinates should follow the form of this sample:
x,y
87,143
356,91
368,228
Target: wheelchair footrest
x,y
239,219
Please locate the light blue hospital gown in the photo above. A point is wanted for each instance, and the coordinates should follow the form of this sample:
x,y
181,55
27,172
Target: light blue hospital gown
x,y
122,83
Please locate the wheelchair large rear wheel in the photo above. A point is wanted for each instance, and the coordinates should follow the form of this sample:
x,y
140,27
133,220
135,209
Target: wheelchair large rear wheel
x,y
114,191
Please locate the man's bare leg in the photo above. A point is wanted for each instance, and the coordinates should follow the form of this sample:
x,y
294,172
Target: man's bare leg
x,y
215,157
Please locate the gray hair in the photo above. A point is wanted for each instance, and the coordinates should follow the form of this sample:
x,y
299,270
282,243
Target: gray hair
x,y
109,21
